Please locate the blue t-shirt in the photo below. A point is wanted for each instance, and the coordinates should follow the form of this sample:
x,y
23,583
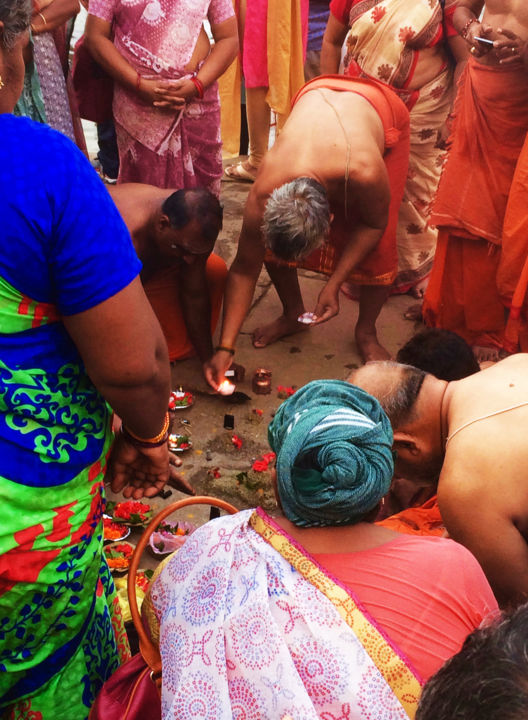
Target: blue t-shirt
x,y
63,245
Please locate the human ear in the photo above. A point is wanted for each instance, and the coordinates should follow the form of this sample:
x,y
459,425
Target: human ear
x,y
404,441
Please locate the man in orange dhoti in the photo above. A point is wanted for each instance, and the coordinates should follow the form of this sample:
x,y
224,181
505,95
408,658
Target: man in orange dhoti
x,y
174,234
491,121
337,173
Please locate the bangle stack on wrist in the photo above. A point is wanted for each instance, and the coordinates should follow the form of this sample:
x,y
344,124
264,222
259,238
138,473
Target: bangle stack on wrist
x,y
464,32
198,84
156,441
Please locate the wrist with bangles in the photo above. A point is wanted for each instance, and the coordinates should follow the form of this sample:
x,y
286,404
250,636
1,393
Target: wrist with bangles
x,y
465,30
198,84
225,348
153,442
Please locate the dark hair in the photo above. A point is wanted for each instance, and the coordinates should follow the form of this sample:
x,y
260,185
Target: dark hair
x,y
16,16
296,219
399,401
195,204
440,352
487,679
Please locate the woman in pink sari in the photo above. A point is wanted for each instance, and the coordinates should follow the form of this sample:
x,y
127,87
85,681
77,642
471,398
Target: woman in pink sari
x,y
166,105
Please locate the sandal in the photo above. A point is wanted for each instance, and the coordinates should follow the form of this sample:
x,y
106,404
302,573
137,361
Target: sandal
x,y
238,173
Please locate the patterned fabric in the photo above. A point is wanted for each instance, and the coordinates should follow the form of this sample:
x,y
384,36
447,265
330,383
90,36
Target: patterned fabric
x,y
252,627
58,640
44,97
157,39
384,42
344,433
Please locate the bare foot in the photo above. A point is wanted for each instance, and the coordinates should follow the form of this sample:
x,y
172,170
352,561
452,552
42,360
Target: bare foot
x,y
418,291
486,354
280,327
414,312
368,346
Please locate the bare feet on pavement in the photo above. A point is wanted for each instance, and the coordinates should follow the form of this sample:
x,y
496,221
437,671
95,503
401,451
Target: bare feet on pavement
x,y
418,290
369,348
487,354
414,312
282,326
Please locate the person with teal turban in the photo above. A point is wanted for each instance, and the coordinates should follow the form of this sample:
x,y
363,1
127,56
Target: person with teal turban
x,y
334,460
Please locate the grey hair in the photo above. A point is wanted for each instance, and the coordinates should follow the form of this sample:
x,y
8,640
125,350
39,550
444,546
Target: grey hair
x,y
296,220
16,16
486,679
399,400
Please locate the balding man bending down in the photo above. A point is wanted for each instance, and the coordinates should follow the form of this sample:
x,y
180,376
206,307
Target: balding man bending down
x,y
326,198
472,434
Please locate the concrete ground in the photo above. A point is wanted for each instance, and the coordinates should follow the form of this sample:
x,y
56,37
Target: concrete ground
x,y
327,351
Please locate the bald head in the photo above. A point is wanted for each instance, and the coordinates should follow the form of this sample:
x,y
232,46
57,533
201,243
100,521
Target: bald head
x,y
396,386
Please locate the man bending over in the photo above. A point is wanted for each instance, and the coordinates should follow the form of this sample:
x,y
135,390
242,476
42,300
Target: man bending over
x,y
326,198
174,234
471,434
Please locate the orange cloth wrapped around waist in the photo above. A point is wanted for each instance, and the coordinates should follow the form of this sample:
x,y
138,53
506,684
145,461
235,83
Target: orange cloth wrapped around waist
x,y
491,121
163,294
380,266
423,520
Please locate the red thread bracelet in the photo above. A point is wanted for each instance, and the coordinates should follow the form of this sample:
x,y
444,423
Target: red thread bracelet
x,y
464,32
138,82
198,84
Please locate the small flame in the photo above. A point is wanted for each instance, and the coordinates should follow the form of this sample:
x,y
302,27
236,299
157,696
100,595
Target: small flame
x,y
226,388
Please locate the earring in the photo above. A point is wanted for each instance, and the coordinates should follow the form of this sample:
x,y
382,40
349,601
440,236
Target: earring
x,y
1,83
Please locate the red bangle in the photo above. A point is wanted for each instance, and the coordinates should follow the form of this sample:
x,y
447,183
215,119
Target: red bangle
x,y
463,33
198,84
138,82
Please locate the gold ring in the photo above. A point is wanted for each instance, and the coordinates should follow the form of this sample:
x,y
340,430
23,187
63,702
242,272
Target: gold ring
x,y
472,50
513,50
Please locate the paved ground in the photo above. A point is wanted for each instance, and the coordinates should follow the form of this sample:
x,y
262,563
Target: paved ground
x,y
324,352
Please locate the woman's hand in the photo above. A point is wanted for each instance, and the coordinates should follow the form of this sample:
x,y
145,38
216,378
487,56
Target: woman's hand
x,y
142,472
174,94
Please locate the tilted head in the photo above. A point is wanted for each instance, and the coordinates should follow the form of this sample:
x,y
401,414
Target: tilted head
x,y
189,223
404,392
334,460
297,218
15,16
440,352
487,679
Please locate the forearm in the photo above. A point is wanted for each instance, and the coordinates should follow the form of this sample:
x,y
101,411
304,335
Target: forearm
x,y
140,398
219,59
53,15
197,315
330,58
106,54
464,13
238,296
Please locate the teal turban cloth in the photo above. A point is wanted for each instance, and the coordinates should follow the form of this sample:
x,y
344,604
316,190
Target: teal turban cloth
x,y
333,443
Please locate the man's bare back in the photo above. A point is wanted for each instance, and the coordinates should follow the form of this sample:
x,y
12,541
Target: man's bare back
x,y
483,487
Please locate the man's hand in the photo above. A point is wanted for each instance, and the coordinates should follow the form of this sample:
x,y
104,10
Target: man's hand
x,y
214,369
142,472
327,304
477,29
510,48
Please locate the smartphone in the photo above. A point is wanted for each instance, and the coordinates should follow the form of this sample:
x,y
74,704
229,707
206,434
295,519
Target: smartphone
x,y
484,41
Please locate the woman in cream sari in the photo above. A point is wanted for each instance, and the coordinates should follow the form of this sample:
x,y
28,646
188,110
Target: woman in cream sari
x,y
409,45
315,612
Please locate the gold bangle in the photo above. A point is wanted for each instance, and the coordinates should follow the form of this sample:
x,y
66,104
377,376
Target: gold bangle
x,y
43,18
153,440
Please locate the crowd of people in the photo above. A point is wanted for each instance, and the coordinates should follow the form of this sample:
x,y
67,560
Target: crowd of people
x,y
399,166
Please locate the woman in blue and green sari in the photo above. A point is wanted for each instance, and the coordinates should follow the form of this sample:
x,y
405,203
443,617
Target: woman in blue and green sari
x,y
76,333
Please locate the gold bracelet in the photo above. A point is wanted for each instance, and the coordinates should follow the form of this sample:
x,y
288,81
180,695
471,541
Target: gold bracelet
x,y
153,440
44,19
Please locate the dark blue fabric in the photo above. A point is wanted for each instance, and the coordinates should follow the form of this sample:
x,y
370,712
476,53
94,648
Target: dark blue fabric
x,y
62,239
